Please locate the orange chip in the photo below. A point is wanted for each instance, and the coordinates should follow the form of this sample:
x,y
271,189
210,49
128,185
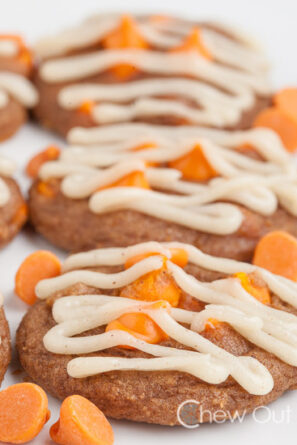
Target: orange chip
x,y
126,35
139,325
286,102
86,107
81,423
194,165
178,256
212,323
194,42
258,290
45,189
281,123
134,179
51,153
24,55
23,412
36,267
277,252
153,286
144,146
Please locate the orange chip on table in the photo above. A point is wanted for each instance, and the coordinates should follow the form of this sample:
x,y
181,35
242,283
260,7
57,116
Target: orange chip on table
x,y
81,423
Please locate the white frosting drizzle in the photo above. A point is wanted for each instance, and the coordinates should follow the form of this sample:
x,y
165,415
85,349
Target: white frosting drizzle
x,y
218,108
237,68
17,86
7,168
129,135
8,48
255,184
163,35
188,211
191,64
272,330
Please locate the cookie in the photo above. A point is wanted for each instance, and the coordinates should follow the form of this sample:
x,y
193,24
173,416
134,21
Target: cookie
x,y
13,208
150,69
139,335
5,352
17,94
206,187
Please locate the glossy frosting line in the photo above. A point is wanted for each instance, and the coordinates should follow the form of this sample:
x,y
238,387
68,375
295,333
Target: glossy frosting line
x,y
19,88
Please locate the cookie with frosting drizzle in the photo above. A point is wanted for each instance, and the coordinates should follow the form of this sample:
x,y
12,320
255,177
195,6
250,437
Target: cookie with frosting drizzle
x,y
17,93
13,208
5,349
123,184
163,70
142,329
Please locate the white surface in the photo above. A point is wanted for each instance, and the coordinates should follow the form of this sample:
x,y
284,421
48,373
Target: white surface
x,y
274,23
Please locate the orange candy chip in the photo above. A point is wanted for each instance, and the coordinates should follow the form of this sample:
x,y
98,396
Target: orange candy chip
x,y
277,252
194,165
126,35
212,323
144,146
51,153
45,189
194,42
24,54
86,107
258,291
134,179
139,325
281,123
153,286
23,412
37,266
81,423
286,102
178,256
158,284
282,117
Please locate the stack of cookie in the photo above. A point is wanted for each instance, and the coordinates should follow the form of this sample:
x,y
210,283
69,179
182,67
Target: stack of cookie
x,y
178,175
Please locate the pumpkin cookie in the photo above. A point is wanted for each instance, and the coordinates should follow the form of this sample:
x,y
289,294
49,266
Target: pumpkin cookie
x,y
5,342
13,208
17,94
220,191
140,331
166,70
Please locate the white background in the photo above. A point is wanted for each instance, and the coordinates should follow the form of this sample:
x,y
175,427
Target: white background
x,y
273,23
